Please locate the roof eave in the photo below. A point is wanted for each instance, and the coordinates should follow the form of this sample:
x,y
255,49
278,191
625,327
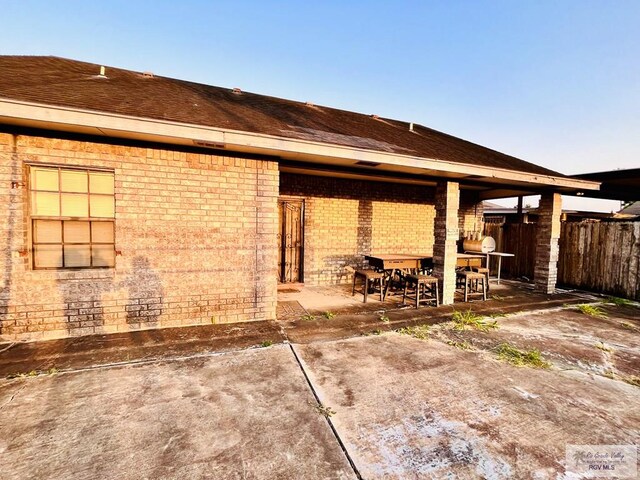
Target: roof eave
x,y
52,117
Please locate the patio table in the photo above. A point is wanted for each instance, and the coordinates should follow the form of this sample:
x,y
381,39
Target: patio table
x,y
390,262
499,255
469,260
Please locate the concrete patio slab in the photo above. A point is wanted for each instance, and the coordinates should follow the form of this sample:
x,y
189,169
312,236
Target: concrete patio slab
x,y
239,415
606,345
408,408
126,347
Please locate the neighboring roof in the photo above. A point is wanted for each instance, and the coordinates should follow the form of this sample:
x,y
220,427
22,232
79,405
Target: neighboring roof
x,y
633,209
616,184
70,83
490,208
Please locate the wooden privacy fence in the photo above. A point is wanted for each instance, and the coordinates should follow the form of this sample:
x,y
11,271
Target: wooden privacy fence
x,y
516,238
601,257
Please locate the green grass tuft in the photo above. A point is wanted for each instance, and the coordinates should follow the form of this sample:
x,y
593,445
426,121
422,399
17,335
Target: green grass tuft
x,y
469,319
384,319
266,343
420,332
617,301
521,358
307,317
460,345
328,315
592,310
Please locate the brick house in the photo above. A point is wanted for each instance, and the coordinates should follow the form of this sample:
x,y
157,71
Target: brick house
x,y
136,201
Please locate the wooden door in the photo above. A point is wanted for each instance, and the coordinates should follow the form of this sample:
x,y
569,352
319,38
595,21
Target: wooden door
x,y
290,241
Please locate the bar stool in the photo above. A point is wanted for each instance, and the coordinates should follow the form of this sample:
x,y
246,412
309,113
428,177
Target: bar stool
x,y
369,278
485,271
467,277
423,284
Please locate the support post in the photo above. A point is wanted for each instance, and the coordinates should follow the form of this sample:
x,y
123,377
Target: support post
x,y
445,248
547,248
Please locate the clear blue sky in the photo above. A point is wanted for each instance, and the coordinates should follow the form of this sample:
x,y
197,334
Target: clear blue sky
x,y
556,83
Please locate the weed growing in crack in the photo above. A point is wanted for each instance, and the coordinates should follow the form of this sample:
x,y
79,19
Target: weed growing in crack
x,y
384,319
266,343
632,380
460,345
420,332
592,310
469,319
521,358
32,373
307,317
323,410
603,347
328,315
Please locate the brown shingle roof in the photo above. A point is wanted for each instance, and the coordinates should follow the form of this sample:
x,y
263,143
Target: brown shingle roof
x,y
71,83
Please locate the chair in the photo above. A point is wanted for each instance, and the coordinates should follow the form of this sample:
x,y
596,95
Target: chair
x,y
466,277
423,284
369,279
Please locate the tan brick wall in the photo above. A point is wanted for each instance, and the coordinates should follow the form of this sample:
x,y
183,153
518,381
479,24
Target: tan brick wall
x,y
470,214
197,234
347,219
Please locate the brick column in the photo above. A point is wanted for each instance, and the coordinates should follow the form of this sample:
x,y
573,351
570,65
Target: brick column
x,y
445,247
546,270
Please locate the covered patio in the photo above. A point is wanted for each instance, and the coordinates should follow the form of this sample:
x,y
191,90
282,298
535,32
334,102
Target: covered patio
x,y
337,221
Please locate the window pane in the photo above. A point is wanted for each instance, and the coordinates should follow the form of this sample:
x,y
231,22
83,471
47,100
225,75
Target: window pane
x,y
77,255
101,182
104,256
72,181
102,232
47,231
47,256
45,204
74,205
76,232
44,178
102,206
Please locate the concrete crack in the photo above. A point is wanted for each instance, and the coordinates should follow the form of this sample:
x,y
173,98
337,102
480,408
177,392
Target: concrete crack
x,y
333,428
15,394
